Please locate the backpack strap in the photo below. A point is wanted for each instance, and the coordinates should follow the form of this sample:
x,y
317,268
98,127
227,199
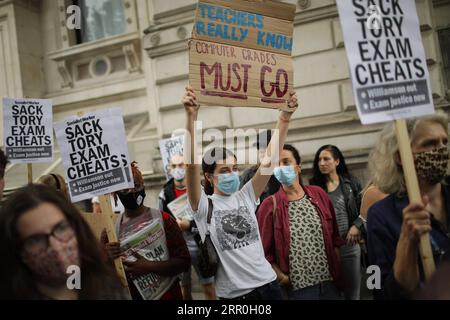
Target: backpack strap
x,y
210,210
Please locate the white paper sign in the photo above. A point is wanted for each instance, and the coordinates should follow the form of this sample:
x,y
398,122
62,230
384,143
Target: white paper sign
x,y
169,148
387,59
95,153
180,208
149,242
28,130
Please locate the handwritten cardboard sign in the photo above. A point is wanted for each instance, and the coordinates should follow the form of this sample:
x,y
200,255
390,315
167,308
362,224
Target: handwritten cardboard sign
x,y
240,54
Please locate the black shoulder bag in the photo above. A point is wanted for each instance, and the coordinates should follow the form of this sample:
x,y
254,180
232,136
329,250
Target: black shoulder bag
x,y
208,259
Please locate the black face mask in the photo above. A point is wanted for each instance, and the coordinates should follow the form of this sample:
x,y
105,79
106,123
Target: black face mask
x,y
132,200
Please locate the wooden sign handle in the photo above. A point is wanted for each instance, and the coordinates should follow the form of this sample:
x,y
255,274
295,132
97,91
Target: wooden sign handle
x,y
106,207
30,172
412,185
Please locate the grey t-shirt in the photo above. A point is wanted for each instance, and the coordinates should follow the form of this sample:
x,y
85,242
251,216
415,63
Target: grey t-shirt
x,y
337,197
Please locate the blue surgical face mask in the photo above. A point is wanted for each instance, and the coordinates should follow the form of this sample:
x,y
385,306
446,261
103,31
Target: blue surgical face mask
x,y
229,182
285,174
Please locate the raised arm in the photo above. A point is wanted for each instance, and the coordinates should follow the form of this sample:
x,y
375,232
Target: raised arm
x,y
262,176
192,168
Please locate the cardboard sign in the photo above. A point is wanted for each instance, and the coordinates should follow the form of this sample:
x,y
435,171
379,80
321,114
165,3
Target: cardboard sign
x,y
240,54
227,22
387,59
97,222
95,154
28,130
169,148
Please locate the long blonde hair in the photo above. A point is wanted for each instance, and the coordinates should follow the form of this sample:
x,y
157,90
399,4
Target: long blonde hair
x,y
385,173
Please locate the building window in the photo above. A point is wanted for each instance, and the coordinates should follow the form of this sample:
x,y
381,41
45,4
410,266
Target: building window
x,y
100,19
444,40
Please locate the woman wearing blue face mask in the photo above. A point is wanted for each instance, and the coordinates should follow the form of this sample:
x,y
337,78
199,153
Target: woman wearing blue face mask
x,y
243,272
300,235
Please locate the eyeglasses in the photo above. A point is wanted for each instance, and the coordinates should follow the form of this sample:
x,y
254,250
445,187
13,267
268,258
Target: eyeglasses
x,y
39,243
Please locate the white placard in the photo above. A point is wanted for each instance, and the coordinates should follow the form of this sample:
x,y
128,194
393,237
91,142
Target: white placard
x,y
95,153
28,130
149,242
387,59
169,148
180,208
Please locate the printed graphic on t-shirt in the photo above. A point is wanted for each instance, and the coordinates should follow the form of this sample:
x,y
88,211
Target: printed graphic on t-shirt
x,y
235,228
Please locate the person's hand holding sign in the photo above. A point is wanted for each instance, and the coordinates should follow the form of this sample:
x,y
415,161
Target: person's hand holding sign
x,y
113,249
292,105
138,267
416,222
190,102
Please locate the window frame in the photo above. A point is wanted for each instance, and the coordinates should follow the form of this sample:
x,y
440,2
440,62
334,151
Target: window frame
x,y
443,35
78,35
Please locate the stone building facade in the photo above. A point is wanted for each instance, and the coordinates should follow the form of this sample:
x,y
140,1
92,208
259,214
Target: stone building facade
x,y
133,54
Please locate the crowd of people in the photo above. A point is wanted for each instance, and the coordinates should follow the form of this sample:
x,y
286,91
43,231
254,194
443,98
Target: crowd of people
x,y
275,236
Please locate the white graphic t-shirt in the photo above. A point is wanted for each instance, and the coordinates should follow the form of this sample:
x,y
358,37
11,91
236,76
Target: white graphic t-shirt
x,y
235,235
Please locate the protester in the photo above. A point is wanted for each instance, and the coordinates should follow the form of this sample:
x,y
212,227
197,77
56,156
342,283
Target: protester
x,y
262,140
173,189
137,215
3,163
176,186
57,182
370,195
300,235
41,235
331,174
394,224
243,272
116,204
